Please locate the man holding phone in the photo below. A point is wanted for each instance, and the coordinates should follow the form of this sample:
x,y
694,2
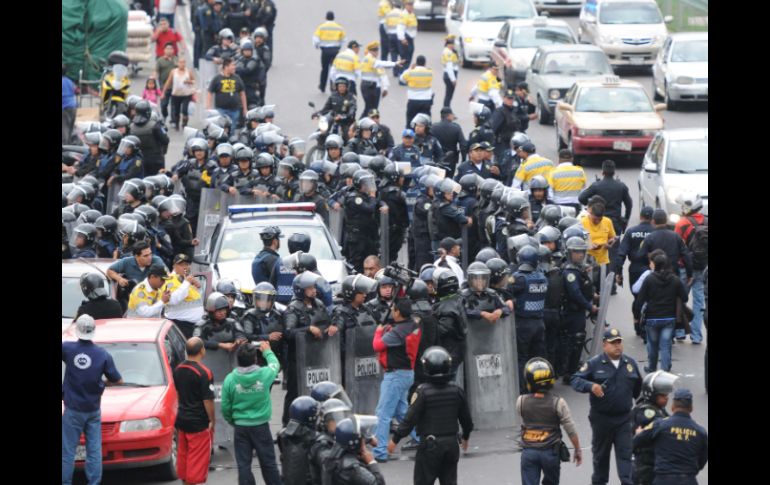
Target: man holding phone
x,y
185,304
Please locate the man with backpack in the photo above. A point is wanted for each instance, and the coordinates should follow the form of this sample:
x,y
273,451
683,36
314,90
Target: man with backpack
x,y
692,227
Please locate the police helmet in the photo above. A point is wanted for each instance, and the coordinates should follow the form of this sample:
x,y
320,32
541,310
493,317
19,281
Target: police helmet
x,y
420,296
658,382
426,273
518,139
107,224
247,45
217,301
134,188
437,364
363,178
89,217
445,281
302,282
226,34
327,390
576,230
377,164
546,258
497,193
120,121
500,270
131,228
150,214
528,258
485,254
143,112
487,186
576,244
110,140
335,410
299,241
78,209
566,222
93,138
550,215
449,186
244,153
308,182
341,80
173,205
348,170
421,119
304,409
483,115
227,288
347,435
391,173
350,157
539,374
264,160
198,144
85,191
263,296
478,276
367,124
260,32
269,233
690,202
470,183
92,286
306,262
132,100
357,284
516,205
88,231
252,115
538,182
548,234
215,132
224,150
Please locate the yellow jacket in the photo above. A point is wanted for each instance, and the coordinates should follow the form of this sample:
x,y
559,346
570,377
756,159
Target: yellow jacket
x,y
567,181
329,34
418,79
487,83
347,62
392,19
534,165
144,301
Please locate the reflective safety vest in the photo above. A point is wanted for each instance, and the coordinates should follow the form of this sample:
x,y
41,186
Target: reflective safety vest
x,y
330,34
140,295
567,181
419,79
409,20
347,63
534,165
487,83
193,298
368,71
392,19
449,56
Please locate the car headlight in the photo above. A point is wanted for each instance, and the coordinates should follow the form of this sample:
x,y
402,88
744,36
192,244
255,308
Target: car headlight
x,y
582,132
469,40
148,424
684,80
554,94
649,132
658,39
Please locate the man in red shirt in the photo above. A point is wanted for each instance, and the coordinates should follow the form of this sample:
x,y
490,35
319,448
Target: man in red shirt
x,y
692,204
163,34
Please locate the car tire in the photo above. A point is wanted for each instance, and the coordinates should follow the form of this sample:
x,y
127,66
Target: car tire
x,y
671,105
463,62
167,471
577,159
545,117
559,142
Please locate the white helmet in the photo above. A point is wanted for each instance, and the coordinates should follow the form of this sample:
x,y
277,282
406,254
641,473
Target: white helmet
x,y
690,202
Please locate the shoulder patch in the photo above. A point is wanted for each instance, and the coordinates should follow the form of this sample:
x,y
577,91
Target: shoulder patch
x,y
138,163
141,294
511,280
649,413
630,368
359,200
571,277
584,367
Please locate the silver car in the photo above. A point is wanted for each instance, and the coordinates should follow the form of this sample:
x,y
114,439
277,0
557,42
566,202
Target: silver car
x,y
558,5
429,10
555,68
681,70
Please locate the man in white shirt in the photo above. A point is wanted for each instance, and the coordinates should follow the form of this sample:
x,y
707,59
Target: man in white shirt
x,y
450,260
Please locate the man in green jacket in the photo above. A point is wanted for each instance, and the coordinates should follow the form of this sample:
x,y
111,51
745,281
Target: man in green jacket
x,y
246,405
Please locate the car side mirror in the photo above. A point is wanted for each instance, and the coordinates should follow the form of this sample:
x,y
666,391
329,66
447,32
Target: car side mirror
x,y
668,19
564,106
661,107
651,167
500,43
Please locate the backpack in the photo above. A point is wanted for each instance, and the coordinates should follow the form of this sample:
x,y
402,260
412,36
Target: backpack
x,y
699,242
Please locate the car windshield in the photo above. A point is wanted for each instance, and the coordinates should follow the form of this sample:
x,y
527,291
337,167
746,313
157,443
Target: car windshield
x,y
606,99
72,296
688,156
523,37
691,51
574,63
496,10
139,363
243,243
629,13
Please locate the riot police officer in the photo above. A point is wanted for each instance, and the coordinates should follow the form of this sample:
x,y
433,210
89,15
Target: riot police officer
x,y
248,67
500,280
548,237
349,462
152,138
480,301
332,412
305,311
341,106
482,131
83,240
538,196
450,216
353,312
421,308
217,329
264,322
265,266
194,176
295,439
308,192
392,194
379,305
427,144
650,407
128,161
240,181
419,233
514,221
505,122
451,316
289,170
468,201
364,141
98,303
435,410
529,290
361,219
613,390
578,293
265,185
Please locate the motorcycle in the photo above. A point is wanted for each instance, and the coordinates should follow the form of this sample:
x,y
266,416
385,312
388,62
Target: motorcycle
x,y
115,87
326,126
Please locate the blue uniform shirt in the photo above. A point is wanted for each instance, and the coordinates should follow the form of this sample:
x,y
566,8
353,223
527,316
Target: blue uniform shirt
x,y
529,289
262,269
86,363
131,269
681,444
621,386
68,93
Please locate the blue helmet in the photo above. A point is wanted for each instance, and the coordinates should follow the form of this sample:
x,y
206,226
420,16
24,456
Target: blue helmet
x,y
426,274
528,258
302,282
347,435
304,409
576,230
325,390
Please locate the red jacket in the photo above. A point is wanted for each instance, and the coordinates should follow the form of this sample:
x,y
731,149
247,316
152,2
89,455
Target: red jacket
x,y
397,346
684,227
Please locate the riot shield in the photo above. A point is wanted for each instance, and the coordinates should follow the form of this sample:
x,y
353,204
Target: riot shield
x,y
335,225
212,209
317,360
465,248
113,200
221,363
491,368
362,370
385,238
593,343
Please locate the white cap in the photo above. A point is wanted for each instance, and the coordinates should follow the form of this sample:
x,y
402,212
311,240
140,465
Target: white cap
x,y
86,327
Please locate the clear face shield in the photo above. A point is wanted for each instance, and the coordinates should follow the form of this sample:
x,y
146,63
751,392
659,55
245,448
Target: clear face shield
x,y
307,186
263,301
478,282
284,171
130,188
367,426
75,194
577,257
76,236
660,382
174,206
297,147
368,185
125,148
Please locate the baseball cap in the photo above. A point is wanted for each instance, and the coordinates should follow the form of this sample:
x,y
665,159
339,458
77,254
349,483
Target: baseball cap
x,y
683,395
528,147
372,45
446,110
86,327
408,133
374,112
487,146
477,145
182,258
646,212
158,270
353,43
448,243
611,335
509,93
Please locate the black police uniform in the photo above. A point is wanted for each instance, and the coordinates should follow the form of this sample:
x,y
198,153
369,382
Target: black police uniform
x,y
266,184
319,451
429,148
480,134
552,315
671,244
248,68
378,308
361,146
341,467
180,231
410,154
535,206
294,443
485,301
241,181
287,189
221,52
297,317
263,268
504,123
265,16
190,173
452,327
428,338
419,236
470,204
344,106
383,139
450,219
629,247
469,167
681,448
258,325
435,410
227,331
508,163
154,142
524,108
644,413
450,135
578,297
505,229
265,56
361,227
345,316
529,290
398,218
610,415
100,308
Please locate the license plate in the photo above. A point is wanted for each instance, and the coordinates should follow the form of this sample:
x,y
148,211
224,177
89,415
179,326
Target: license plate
x,y
367,366
314,376
211,220
489,365
622,146
637,61
80,453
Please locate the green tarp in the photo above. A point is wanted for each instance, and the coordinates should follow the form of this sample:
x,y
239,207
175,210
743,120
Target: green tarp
x,y
91,29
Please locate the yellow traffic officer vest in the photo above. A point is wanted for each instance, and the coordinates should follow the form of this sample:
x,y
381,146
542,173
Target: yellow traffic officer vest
x,y
487,83
347,62
392,19
193,297
449,56
330,32
368,71
567,180
420,78
142,293
534,165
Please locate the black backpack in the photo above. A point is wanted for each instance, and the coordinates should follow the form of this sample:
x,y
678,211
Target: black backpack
x,y
699,242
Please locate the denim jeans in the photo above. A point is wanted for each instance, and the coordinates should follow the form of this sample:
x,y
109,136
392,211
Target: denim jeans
x,y
233,114
534,461
659,342
698,303
73,423
247,439
393,391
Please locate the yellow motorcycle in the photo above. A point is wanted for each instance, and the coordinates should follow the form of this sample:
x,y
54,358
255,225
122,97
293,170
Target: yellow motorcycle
x,y
115,86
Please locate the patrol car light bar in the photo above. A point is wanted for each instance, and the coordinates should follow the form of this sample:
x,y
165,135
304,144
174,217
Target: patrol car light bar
x,y
254,208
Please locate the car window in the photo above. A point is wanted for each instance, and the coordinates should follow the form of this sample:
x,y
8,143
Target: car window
x,y
629,13
527,37
574,63
139,363
172,351
666,48
690,51
459,7
495,10
613,99
536,61
72,296
654,149
243,243
688,156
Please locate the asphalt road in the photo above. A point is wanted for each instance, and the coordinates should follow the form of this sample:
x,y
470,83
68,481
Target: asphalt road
x,y
293,81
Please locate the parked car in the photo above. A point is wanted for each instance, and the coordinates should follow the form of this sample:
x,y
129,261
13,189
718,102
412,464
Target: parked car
x,y
429,10
681,70
558,5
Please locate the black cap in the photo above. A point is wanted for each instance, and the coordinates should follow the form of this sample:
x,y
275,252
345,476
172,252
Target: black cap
x,y
487,146
528,147
404,306
353,43
646,212
448,243
158,270
509,93
446,110
523,86
182,258
611,335
476,145
683,395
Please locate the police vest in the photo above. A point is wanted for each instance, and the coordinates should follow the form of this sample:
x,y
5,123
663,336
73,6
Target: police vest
x,y
195,180
419,79
392,19
125,165
531,302
555,294
151,149
241,180
567,181
330,34
535,165
346,62
192,300
409,20
586,288
509,126
447,56
475,302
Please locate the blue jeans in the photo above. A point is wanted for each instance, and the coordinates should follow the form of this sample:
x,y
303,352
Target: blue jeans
x,y
73,423
250,438
233,114
534,461
659,341
698,303
393,392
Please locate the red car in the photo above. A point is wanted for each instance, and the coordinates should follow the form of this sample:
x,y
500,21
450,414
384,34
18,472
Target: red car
x,y
138,417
